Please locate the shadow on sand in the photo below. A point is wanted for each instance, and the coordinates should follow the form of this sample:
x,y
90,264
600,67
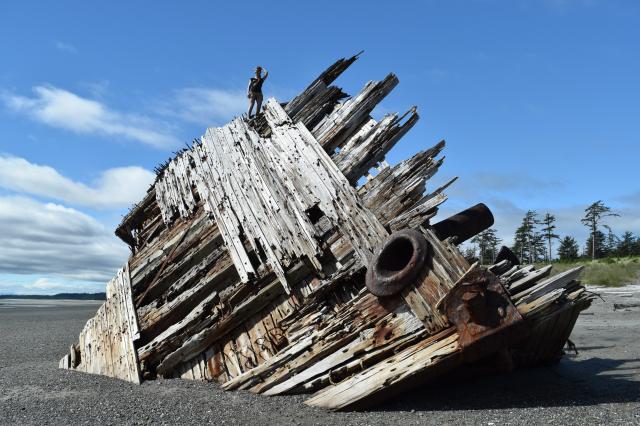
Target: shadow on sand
x,y
569,383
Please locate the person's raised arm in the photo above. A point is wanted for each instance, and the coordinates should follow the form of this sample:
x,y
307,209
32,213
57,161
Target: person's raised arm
x,y
266,74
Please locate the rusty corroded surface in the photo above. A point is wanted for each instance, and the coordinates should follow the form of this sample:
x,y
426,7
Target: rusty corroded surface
x,y
465,224
397,263
482,312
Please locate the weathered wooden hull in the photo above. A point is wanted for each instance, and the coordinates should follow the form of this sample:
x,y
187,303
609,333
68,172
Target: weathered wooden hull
x,y
249,256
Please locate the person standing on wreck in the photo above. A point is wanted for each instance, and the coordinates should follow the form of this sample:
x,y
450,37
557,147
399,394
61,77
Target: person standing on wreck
x,y
254,90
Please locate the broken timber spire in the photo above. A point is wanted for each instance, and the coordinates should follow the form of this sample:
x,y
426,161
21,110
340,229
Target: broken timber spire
x,y
258,262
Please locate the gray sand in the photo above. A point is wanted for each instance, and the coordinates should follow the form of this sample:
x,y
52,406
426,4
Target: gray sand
x,y
600,385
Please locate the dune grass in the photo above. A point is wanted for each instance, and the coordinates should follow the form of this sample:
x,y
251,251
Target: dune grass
x,y
611,271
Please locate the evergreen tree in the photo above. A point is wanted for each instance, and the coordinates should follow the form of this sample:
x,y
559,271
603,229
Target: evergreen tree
x,y
487,242
611,242
627,245
526,243
493,243
470,254
597,250
568,249
594,214
520,242
548,232
538,247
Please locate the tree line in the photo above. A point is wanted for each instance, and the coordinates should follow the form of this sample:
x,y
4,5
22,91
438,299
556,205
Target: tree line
x,y
535,238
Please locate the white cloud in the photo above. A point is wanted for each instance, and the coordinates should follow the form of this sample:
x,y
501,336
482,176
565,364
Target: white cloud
x,y
63,109
52,240
36,284
65,47
117,187
47,285
97,89
205,106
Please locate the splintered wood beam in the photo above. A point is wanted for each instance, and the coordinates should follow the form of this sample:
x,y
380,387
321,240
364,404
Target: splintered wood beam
x,y
328,330
319,107
386,336
254,190
529,280
398,189
106,341
346,118
134,220
366,149
193,344
418,215
553,283
389,377
318,86
196,343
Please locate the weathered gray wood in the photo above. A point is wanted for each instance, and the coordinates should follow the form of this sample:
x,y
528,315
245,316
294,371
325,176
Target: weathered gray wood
x,y
397,325
370,145
254,190
347,118
378,378
303,106
106,342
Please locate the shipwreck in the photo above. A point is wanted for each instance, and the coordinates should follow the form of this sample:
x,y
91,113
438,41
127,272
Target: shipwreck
x,y
267,256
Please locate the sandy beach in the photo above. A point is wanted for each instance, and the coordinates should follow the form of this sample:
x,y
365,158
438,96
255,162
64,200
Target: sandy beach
x,y
601,384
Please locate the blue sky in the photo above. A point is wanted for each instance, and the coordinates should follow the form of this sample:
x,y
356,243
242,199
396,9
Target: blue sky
x,y
539,101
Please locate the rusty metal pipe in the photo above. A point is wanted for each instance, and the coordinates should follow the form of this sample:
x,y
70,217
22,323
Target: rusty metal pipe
x,y
465,224
397,263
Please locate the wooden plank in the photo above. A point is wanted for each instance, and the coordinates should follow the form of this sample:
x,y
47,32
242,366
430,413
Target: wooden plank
x,y
107,340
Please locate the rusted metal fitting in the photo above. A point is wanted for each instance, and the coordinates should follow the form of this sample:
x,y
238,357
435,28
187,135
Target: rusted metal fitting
x,y
465,224
505,253
397,263
479,308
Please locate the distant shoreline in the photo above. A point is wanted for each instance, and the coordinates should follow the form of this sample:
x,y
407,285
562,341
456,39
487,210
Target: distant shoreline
x,y
59,296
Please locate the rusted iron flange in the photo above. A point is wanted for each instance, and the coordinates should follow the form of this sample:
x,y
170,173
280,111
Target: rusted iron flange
x,y
481,311
397,263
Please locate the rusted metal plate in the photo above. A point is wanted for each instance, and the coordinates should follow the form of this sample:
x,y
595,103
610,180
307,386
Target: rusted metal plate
x,y
481,310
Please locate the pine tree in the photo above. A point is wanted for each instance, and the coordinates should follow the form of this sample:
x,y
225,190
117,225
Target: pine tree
x,y
520,242
470,254
611,242
594,214
493,243
598,249
487,242
626,245
636,247
538,246
549,226
526,244
568,249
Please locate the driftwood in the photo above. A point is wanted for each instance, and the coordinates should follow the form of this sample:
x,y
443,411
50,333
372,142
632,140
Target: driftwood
x,y
259,262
